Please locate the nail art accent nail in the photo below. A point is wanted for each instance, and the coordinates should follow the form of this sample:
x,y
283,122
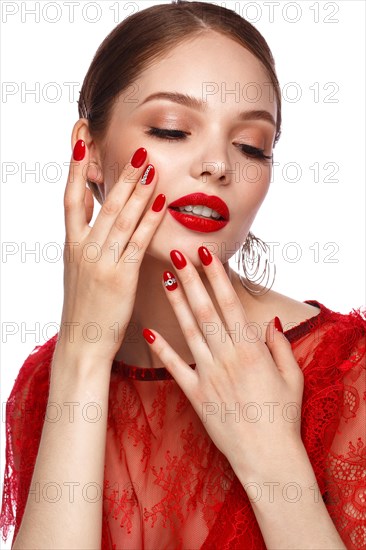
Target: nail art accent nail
x,y
278,324
139,157
148,335
148,175
178,259
79,150
205,255
158,203
170,282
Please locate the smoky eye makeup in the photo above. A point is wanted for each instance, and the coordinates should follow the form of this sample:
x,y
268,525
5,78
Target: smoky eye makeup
x,y
178,136
178,127
168,115
161,123
172,122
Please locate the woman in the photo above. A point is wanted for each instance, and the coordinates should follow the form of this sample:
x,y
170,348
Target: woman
x,y
179,413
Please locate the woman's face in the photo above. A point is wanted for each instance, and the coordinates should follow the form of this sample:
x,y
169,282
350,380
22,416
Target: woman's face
x,y
207,156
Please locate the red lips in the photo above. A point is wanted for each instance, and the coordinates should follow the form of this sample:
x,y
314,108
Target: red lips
x,y
211,201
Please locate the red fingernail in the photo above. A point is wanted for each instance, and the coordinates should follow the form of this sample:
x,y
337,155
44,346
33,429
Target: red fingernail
x,y
79,150
278,325
170,281
139,157
158,203
205,255
148,335
148,175
178,259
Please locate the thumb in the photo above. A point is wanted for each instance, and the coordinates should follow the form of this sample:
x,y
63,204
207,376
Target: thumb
x,y
281,349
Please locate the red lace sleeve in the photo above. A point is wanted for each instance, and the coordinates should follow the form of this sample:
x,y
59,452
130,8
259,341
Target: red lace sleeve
x,y
346,461
25,412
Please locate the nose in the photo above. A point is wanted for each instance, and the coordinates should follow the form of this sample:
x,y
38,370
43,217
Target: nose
x,y
214,171
214,161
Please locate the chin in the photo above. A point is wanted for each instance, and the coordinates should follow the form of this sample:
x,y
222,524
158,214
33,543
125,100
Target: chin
x,y
171,235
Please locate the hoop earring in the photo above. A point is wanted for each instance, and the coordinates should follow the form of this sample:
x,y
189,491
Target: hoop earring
x,y
253,252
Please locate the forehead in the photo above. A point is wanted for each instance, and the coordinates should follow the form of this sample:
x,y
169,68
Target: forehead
x,y
213,68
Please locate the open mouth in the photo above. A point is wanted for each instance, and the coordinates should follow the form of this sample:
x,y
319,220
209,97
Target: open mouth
x,y
199,211
197,222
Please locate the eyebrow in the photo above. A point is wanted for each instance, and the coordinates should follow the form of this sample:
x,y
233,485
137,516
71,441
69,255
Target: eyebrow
x,y
198,105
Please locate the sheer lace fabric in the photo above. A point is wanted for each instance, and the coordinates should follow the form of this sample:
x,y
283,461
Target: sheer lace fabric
x,y
166,485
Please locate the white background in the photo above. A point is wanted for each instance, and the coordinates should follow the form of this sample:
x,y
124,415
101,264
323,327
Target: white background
x,y
311,55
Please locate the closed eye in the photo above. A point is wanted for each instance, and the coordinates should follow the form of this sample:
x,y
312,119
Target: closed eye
x,y
172,135
167,134
254,151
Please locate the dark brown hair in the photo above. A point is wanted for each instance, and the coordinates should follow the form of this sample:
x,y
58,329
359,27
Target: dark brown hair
x,y
145,36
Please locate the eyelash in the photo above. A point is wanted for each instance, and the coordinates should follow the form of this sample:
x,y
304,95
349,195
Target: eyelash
x,y
163,133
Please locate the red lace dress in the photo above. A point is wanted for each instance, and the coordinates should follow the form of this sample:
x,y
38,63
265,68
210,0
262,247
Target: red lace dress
x,y
166,485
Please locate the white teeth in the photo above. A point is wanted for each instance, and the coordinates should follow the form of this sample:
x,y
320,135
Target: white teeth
x,y
206,211
200,210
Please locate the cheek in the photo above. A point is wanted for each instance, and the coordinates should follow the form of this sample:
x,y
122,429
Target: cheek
x,y
255,182
257,175
253,172
166,158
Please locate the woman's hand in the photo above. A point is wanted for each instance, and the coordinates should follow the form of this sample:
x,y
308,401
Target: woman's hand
x,y
101,263
247,393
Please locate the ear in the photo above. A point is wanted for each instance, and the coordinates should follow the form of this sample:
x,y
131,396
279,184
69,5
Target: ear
x,y
94,172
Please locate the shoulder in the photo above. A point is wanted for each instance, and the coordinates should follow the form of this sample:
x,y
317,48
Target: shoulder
x,y
292,313
261,309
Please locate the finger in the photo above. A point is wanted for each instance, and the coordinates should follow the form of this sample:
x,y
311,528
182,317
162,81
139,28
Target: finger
x,y
89,205
191,331
181,372
74,195
201,304
140,240
281,351
233,312
128,218
127,183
